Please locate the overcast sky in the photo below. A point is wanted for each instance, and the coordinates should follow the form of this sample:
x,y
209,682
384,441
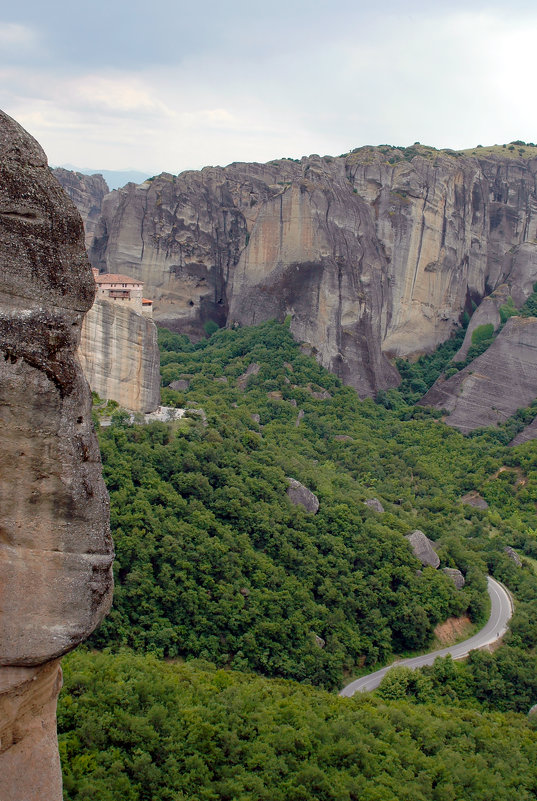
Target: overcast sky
x,y
171,85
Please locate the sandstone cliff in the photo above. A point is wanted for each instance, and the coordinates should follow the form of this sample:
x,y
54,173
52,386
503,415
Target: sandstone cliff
x,y
373,255
493,386
119,355
55,547
87,193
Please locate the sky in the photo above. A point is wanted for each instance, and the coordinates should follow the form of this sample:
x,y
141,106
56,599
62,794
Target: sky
x,y
171,85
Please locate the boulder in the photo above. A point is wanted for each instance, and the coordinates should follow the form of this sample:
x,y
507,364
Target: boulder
x,y
423,549
455,575
299,495
474,499
180,385
512,554
252,369
375,504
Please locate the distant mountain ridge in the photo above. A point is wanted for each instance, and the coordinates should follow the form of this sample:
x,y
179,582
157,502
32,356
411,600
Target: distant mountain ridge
x,y
114,178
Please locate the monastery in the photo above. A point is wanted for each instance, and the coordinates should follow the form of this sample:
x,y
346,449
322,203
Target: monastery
x,y
123,290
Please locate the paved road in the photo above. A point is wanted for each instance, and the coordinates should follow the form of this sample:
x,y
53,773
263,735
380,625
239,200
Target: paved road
x,y
501,610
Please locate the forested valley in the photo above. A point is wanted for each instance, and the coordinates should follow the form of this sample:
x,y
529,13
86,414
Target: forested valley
x,y
237,613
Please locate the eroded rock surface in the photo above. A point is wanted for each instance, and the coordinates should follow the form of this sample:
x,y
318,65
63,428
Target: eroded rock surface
x,y
422,548
456,576
55,547
493,386
487,313
375,504
474,499
372,255
299,495
87,193
512,554
527,434
120,357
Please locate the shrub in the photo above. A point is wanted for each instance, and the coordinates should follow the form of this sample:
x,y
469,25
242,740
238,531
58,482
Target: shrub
x,y
481,333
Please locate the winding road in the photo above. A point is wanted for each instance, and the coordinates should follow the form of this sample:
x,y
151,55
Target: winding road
x,y
501,609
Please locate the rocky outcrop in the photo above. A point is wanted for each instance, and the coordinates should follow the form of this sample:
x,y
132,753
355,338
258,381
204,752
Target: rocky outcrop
x,y
474,499
372,255
87,193
456,576
512,554
527,434
487,313
252,370
299,495
55,547
493,386
119,355
375,504
422,548
181,385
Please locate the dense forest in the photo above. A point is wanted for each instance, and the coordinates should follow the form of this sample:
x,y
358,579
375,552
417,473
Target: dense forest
x,y
136,729
214,562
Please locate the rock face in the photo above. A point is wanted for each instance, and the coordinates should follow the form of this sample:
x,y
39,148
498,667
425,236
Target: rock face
x,y
512,554
119,355
496,384
527,434
181,385
455,575
299,495
488,312
423,549
87,193
252,369
474,499
373,255
375,504
55,547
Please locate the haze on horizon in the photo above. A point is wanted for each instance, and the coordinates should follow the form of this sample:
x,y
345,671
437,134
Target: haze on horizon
x,y
170,87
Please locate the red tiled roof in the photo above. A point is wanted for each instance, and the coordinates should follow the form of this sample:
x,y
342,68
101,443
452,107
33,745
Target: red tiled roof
x,y
115,278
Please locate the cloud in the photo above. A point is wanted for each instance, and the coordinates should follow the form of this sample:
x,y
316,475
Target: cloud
x,y
14,36
117,95
231,82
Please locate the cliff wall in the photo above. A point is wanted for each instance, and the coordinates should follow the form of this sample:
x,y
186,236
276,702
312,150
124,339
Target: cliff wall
x,y
119,356
55,547
373,255
87,193
494,385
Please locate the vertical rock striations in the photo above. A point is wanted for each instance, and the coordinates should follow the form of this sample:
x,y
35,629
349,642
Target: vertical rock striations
x,y
87,193
494,385
120,357
372,255
55,546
